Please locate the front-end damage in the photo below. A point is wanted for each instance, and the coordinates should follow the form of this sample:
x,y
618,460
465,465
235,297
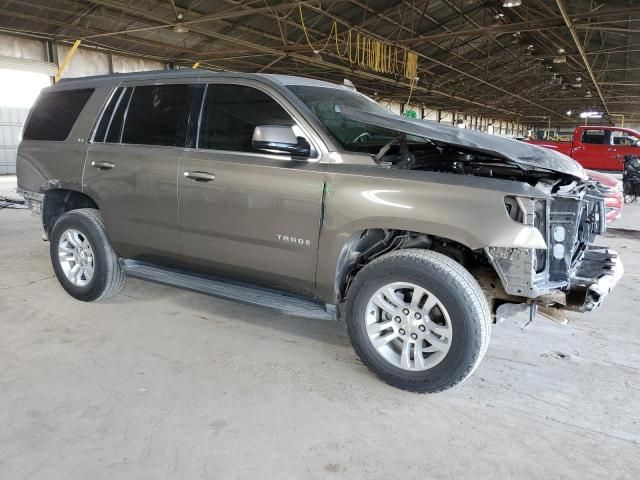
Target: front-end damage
x,y
565,270
571,273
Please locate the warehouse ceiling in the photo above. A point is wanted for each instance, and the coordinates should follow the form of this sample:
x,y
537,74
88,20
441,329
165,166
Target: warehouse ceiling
x,y
529,62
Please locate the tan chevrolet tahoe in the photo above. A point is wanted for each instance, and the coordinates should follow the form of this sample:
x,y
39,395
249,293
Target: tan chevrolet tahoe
x,y
310,198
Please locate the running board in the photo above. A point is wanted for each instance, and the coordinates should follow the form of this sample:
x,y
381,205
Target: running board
x,y
243,293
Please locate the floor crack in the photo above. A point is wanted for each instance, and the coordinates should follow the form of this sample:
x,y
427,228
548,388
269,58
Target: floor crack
x,y
28,283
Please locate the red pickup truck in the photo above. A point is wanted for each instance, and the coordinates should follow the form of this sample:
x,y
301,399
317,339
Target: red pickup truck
x,y
598,148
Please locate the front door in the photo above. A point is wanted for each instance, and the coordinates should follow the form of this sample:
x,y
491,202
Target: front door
x,y
245,214
132,166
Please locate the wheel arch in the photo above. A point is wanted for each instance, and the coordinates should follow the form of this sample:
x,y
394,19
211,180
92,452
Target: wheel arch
x,y
366,244
58,201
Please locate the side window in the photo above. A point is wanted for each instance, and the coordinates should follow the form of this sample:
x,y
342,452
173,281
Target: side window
x,y
596,137
158,115
55,113
623,139
105,119
231,112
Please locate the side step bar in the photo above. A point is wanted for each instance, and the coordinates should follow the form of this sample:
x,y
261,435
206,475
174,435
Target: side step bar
x,y
243,293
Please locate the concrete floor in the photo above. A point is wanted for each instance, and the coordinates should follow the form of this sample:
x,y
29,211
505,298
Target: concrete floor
x,y
164,383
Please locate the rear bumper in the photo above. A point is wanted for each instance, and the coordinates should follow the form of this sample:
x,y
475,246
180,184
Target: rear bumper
x,y
596,276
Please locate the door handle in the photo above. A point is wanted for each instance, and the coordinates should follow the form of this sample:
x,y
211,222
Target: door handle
x,y
102,165
199,176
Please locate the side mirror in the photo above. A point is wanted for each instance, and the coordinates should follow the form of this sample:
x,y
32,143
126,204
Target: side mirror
x,y
279,139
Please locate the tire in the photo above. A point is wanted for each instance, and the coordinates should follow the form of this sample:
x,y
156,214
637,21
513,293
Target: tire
x,y
86,225
462,313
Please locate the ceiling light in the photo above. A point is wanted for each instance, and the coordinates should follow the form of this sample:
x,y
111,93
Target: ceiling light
x,y
511,3
590,115
578,79
561,57
180,27
569,112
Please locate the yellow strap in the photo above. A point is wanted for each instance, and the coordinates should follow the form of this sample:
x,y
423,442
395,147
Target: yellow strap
x,y
66,60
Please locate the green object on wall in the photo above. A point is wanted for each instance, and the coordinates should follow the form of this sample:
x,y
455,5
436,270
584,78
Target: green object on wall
x,y
410,114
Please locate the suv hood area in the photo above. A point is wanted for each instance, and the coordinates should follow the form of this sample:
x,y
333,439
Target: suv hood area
x,y
521,154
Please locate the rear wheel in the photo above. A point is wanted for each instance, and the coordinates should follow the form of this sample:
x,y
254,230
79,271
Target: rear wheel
x,y
82,258
418,320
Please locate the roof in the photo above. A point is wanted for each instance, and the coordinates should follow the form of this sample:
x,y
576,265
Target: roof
x,y
195,73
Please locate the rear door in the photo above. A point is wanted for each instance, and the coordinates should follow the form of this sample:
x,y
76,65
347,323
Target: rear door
x,y
245,214
591,147
132,165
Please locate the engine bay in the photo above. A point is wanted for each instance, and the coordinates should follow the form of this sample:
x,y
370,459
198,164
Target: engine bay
x,y
440,157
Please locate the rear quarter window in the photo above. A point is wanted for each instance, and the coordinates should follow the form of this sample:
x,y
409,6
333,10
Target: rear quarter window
x,y
55,113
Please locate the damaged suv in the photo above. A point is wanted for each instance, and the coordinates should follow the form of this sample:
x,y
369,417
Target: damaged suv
x,y
310,198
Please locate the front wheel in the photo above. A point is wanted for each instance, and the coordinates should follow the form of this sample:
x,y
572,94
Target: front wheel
x,y
418,320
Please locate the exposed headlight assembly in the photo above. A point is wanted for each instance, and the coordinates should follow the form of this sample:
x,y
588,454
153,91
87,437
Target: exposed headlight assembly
x,y
519,267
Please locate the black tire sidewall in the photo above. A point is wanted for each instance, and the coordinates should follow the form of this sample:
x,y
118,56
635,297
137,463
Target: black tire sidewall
x,y
465,347
77,221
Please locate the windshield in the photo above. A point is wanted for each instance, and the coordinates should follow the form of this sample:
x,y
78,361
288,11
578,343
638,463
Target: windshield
x,y
353,135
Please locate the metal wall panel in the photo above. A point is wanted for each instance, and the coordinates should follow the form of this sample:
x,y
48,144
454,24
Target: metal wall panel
x,y
84,62
11,122
123,64
19,47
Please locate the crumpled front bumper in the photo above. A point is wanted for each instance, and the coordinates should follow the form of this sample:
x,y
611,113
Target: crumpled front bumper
x,y
598,273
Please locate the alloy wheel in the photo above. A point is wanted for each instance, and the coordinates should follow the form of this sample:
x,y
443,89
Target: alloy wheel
x,y
76,258
408,326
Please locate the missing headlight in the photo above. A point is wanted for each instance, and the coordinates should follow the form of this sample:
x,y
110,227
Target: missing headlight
x,y
540,222
533,212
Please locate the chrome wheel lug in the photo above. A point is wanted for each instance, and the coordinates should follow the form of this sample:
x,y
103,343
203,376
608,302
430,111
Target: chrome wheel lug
x,y
418,316
398,319
422,328
414,336
401,331
405,311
